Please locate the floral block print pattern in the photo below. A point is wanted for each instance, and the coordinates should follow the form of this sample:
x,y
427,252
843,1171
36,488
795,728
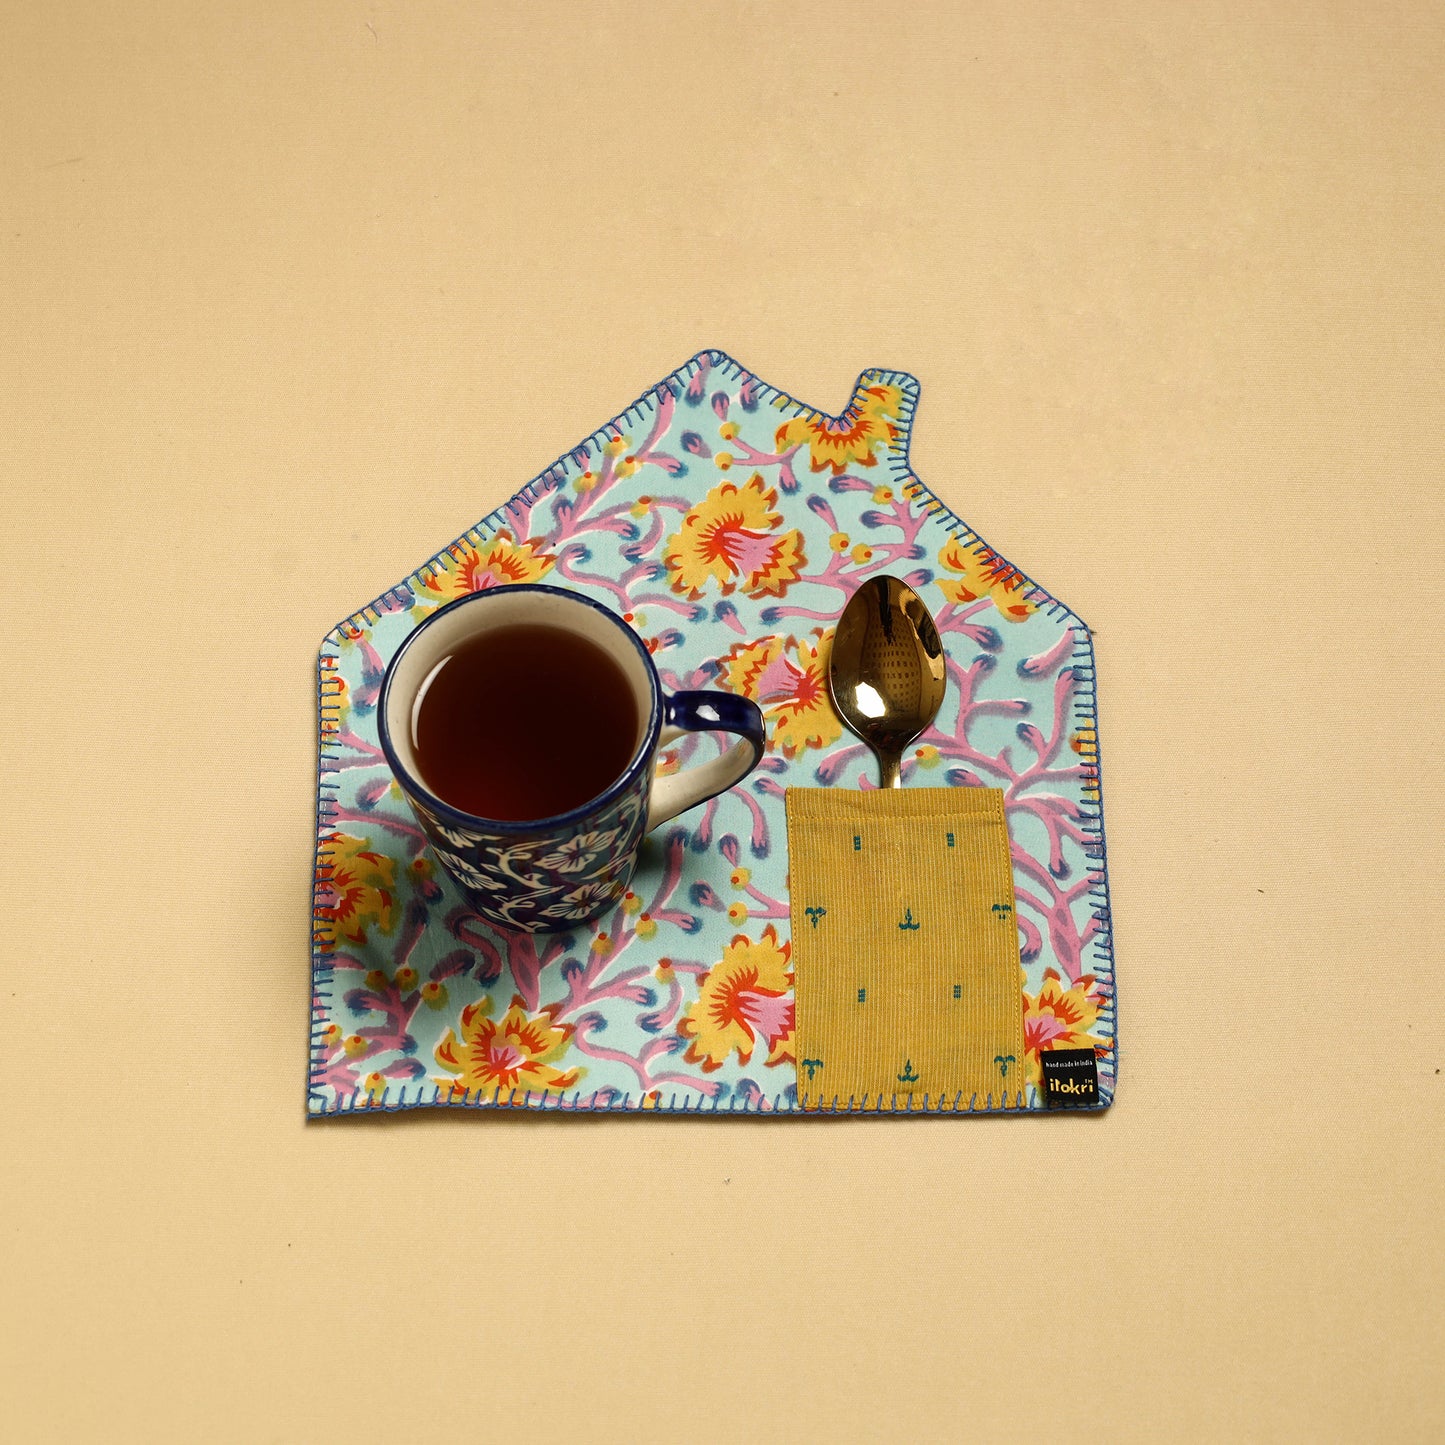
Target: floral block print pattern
x,y
728,524
527,876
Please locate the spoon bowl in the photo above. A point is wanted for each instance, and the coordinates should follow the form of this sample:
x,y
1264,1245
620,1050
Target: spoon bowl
x,y
887,675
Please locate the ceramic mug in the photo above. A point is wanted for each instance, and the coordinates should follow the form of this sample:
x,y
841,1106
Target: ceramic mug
x,y
552,873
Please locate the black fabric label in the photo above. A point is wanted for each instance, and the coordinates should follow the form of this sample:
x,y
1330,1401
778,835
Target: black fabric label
x,y
1071,1078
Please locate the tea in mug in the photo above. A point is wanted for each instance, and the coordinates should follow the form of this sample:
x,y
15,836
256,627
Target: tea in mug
x,y
523,722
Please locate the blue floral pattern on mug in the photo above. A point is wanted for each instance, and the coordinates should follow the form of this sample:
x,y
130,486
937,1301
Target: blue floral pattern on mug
x,y
536,879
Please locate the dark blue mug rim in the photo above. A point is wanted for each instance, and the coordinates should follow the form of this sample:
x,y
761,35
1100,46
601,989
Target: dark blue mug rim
x,y
474,821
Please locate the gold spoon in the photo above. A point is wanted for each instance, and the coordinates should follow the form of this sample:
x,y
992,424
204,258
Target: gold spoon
x,y
887,674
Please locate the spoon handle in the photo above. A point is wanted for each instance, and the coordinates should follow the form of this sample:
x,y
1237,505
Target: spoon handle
x,y
888,765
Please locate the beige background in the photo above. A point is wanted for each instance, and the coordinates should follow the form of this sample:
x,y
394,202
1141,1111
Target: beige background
x,y
280,284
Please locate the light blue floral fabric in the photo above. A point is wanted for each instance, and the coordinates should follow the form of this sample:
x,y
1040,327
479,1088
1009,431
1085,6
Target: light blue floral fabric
x,y
728,523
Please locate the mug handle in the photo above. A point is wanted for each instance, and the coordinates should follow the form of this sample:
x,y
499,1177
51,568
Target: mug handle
x,y
697,712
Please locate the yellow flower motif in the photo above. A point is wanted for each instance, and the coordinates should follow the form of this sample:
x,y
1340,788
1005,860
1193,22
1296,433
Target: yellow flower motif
x,y
646,926
840,541
376,980
927,756
373,1085
360,887
601,943
1059,1018
882,495
664,972
732,537
728,430
723,461
641,507
631,903
514,1052
406,978
862,553
467,569
788,679
741,877
332,1036
355,1046
738,911
984,574
742,1000
627,466
615,446
586,481
853,437
434,994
